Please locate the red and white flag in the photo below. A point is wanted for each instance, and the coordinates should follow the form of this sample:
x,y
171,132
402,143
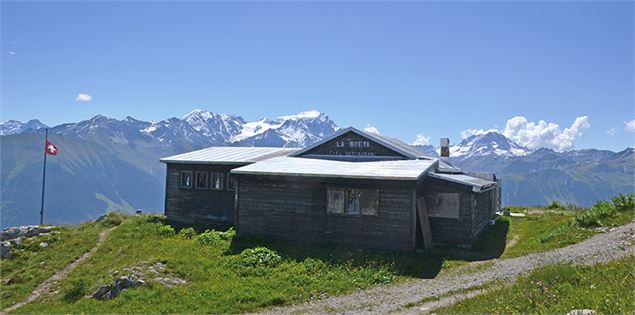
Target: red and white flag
x,y
50,148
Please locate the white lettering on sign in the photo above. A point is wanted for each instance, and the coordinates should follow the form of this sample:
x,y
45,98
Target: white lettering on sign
x,y
359,144
352,153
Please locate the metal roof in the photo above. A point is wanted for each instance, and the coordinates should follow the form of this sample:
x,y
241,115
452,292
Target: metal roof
x,y
477,184
446,167
389,142
228,155
294,166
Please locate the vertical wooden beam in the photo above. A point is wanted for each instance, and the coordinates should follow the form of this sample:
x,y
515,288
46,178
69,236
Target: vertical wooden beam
x,y
414,219
425,224
236,203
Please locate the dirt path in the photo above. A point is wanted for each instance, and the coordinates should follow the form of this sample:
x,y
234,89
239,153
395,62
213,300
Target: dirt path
x,y
396,298
48,283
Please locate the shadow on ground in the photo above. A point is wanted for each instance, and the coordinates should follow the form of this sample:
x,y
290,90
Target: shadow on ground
x,y
412,264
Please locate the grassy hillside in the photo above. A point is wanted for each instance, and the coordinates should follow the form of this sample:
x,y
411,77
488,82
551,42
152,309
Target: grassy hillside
x,y
606,288
228,274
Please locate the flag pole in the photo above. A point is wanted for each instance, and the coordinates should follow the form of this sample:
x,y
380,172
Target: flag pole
x,y
46,136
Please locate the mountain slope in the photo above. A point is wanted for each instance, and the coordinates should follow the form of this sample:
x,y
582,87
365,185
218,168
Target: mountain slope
x,y
82,182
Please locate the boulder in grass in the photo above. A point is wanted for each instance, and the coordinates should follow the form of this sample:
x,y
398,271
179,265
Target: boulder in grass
x,y
112,290
5,249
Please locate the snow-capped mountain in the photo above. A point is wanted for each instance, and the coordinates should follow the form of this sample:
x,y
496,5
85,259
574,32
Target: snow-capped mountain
x,y
12,127
198,129
487,144
298,130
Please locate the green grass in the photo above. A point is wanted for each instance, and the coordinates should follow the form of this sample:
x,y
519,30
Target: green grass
x,y
229,274
31,265
225,274
558,289
551,229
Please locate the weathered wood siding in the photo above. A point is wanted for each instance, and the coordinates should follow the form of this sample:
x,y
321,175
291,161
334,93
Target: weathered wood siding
x,y
293,209
201,208
474,212
482,211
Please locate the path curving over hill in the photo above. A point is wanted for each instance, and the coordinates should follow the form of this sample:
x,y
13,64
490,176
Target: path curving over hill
x,y
45,286
614,244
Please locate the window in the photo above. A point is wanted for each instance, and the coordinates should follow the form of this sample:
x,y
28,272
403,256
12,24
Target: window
x,y
216,181
186,179
231,182
201,180
352,201
443,205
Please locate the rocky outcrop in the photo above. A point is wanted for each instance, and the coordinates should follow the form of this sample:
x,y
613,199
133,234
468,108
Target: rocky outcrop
x,y
11,233
13,236
113,289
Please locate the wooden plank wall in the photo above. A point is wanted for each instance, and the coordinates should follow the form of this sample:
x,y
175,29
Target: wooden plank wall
x,y
482,211
201,208
291,209
474,213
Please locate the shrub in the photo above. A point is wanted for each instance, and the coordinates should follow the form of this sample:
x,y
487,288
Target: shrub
x,y
187,233
166,230
75,292
256,261
111,219
555,205
592,217
623,202
212,237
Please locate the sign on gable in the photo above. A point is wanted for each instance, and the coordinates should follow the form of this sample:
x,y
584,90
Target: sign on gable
x,y
352,145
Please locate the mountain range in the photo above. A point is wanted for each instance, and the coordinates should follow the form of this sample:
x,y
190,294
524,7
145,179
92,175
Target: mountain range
x,y
106,163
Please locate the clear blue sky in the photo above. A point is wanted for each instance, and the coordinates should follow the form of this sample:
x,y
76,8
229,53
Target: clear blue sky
x,y
406,68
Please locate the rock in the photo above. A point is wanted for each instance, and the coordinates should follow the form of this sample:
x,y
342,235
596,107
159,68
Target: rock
x,y
170,281
24,231
10,233
5,249
44,244
582,312
113,289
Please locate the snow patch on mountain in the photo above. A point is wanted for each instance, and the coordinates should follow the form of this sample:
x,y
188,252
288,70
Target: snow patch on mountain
x,y
12,127
491,143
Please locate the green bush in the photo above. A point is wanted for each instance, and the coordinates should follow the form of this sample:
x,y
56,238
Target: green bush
x,y
555,205
212,237
187,233
111,219
594,216
256,261
166,230
623,202
75,292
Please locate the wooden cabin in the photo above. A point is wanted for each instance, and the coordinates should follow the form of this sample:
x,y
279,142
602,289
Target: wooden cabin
x,y
354,188
199,188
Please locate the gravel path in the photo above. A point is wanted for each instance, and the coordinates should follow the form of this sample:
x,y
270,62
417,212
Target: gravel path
x,y
48,283
611,245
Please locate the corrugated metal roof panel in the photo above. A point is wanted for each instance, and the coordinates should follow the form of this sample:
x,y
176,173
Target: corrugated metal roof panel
x,y
228,155
475,182
292,166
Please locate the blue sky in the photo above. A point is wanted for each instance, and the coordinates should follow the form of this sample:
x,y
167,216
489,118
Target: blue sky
x,y
406,68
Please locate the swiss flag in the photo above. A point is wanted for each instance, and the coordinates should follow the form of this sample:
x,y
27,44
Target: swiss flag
x,y
50,148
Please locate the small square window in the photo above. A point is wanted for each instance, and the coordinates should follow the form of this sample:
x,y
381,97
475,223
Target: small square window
x,y
201,180
186,179
231,182
216,181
